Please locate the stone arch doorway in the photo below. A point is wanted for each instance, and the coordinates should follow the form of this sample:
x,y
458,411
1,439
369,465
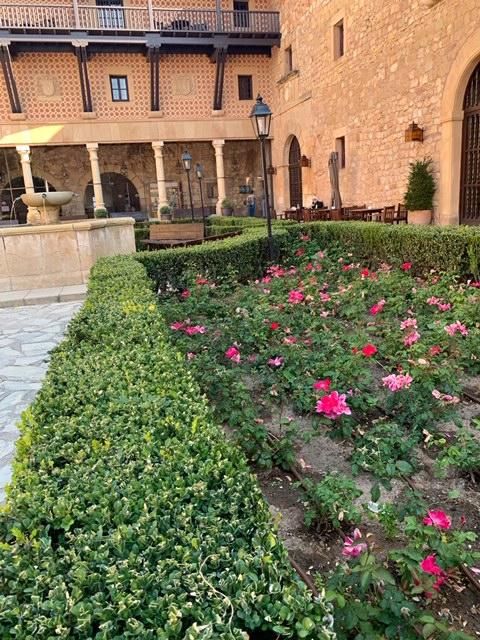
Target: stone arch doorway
x,y
13,190
295,173
452,117
119,194
470,176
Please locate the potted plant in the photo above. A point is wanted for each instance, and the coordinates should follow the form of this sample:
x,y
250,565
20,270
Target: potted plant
x,y
420,191
227,207
166,213
101,213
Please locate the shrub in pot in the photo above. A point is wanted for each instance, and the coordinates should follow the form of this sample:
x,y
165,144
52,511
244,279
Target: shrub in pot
x,y
166,213
420,191
227,207
101,212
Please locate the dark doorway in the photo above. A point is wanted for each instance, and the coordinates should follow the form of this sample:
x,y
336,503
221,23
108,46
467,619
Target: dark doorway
x,y
241,16
119,193
470,183
109,16
13,190
295,174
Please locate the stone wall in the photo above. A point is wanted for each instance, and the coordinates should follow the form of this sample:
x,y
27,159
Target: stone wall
x,y
398,55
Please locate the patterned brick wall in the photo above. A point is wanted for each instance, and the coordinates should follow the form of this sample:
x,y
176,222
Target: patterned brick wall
x,y
48,85
259,67
186,86
50,90
136,68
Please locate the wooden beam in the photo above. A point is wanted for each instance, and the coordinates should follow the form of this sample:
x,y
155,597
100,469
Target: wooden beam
x,y
6,64
154,56
220,58
80,49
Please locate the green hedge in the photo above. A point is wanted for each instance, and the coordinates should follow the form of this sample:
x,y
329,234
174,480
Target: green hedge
x,y
454,249
245,254
130,515
225,221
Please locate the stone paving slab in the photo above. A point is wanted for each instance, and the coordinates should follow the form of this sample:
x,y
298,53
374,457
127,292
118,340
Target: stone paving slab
x,y
27,335
69,293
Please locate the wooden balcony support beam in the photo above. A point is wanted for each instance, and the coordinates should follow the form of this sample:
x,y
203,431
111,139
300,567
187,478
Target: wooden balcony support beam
x,y
154,57
6,63
220,59
80,48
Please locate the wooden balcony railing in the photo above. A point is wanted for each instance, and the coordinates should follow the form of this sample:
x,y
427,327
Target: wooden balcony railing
x,y
93,18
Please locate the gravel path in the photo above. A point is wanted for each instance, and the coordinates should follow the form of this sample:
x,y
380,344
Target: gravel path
x,y
27,335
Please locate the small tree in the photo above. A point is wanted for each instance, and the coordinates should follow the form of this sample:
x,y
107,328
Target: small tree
x,y
421,186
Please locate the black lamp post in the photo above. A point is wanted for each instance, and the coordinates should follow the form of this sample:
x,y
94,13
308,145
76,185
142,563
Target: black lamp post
x,y
199,172
261,118
187,165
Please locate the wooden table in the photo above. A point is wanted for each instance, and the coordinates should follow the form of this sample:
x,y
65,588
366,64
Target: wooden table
x,y
368,215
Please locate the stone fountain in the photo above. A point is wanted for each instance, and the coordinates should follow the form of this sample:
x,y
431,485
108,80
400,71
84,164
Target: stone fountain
x,y
44,208
49,253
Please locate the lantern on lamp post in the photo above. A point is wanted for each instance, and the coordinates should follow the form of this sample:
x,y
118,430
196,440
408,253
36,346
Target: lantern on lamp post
x,y
261,118
187,165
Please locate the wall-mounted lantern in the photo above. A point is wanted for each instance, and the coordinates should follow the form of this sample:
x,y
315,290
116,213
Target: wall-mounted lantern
x,y
272,171
305,162
414,133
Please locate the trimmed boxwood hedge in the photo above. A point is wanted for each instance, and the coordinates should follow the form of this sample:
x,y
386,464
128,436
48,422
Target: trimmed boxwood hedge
x,y
454,249
245,254
130,515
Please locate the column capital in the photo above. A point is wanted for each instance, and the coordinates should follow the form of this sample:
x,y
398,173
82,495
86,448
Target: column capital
x,y
158,145
4,42
24,152
92,146
218,143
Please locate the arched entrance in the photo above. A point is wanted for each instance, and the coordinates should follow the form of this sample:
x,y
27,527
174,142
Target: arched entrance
x,y
119,194
10,194
470,178
295,173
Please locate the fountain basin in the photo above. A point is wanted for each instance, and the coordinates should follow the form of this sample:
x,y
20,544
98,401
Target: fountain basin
x,y
44,208
49,199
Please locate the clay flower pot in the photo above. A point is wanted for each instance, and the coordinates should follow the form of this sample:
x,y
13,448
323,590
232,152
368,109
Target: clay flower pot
x,y
423,217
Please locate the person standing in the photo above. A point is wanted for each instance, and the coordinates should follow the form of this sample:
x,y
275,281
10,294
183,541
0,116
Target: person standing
x,y
251,205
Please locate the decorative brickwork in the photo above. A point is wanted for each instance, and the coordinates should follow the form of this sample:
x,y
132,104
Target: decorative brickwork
x,y
48,86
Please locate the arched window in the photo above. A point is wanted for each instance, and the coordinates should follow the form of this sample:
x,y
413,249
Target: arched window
x,y
295,174
470,184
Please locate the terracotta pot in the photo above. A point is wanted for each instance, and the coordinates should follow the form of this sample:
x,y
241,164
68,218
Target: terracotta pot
x,y
420,217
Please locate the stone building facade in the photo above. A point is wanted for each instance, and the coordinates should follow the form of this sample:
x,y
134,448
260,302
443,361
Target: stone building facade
x,y
340,75
403,61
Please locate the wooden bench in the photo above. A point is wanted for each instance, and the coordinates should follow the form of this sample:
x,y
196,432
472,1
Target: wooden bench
x,y
166,236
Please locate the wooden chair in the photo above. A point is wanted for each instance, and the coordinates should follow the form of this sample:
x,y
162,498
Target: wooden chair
x,y
392,216
402,213
389,215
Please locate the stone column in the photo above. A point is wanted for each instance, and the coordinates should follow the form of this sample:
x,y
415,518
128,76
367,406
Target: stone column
x,y
24,152
160,170
92,148
218,146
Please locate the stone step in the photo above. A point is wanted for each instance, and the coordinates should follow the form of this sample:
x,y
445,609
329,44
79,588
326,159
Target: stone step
x,y
69,293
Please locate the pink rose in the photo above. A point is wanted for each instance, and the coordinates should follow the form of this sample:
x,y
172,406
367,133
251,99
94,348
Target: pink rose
x,y
333,406
438,519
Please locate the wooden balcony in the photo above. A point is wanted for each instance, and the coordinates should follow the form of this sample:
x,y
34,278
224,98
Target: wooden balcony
x,y
54,22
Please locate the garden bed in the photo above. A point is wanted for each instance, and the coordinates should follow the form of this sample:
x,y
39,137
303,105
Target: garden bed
x,y
353,377
130,515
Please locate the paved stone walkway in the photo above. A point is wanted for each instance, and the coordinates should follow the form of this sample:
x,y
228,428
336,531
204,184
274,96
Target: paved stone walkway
x,y
27,335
